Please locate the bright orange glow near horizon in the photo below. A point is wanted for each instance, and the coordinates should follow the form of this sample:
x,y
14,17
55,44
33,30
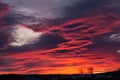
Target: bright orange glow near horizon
x,y
36,63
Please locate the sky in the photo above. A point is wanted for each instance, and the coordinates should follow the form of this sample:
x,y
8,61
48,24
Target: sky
x,y
59,36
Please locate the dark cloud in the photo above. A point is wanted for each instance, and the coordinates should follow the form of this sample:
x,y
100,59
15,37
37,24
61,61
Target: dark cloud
x,y
4,40
63,51
85,8
9,62
50,41
18,18
46,41
12,19
5,62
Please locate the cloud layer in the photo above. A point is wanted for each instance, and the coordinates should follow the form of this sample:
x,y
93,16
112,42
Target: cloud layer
x,y
77,42
41,8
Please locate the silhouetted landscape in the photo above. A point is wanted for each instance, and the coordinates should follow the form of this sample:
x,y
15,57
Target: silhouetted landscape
x,y
102,76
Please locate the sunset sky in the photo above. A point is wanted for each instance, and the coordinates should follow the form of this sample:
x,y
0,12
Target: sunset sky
x,y
59,36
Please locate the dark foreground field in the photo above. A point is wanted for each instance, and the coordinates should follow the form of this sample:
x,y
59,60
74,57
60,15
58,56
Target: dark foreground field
x,y
105,76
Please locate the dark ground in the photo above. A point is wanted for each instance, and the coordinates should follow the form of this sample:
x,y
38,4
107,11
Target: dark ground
x,y
105,76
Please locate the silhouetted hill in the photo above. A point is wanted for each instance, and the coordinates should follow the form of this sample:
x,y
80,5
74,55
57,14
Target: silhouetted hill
x,y
103,76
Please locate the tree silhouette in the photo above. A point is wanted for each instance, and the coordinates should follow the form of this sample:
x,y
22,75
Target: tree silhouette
x,y
90,71
81,71
118,70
